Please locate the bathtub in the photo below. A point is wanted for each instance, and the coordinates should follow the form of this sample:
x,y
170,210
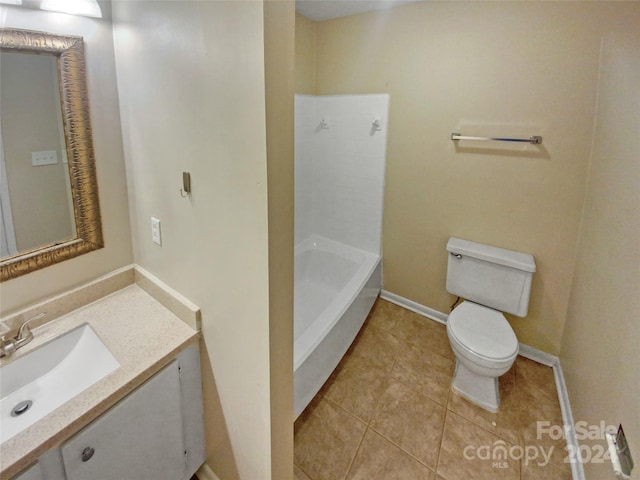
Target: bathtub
x,y
335,286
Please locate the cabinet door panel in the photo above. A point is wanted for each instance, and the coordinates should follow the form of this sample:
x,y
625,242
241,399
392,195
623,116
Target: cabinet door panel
x,y
140,438
193,416
32,473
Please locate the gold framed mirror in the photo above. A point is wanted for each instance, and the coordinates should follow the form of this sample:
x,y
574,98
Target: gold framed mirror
x,y
68,52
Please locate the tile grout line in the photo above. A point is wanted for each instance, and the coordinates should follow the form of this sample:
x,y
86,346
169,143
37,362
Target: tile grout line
x,y
444,424
356,452
303,471
399,447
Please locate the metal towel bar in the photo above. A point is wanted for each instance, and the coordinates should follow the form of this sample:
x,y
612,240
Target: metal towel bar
x,y
536,140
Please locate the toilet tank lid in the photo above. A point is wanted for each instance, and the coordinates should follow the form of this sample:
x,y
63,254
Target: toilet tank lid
x,y
500,256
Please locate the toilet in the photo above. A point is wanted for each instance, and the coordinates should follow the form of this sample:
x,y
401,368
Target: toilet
x,y
490,281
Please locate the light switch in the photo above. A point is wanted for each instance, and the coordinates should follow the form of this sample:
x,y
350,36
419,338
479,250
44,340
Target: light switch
x,y
48,157
155,231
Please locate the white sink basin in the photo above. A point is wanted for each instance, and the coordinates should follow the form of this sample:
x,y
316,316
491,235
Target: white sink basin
x,y
49,376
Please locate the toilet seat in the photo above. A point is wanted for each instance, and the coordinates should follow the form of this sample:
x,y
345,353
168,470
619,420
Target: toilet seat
x,y
483,333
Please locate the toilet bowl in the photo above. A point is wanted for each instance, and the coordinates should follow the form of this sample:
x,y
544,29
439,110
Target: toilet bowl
x,y
485,348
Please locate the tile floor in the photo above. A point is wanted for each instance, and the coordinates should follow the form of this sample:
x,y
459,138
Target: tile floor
x,y
387,412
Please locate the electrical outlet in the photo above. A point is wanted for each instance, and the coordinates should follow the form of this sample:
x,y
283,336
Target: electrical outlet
x,y
156,236
48,157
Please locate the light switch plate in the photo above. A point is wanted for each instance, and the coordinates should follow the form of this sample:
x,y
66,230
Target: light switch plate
x,y
156,236
48,157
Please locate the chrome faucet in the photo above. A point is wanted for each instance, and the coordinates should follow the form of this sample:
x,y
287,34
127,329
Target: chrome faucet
x,y
24,336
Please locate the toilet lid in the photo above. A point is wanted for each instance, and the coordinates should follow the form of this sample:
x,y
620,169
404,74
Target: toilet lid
x,y
483,331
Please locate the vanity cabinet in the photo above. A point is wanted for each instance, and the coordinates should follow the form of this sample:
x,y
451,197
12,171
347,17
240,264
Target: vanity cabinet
x,y
155,433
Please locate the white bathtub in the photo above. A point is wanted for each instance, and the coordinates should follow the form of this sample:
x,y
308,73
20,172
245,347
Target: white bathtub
x,y
335,286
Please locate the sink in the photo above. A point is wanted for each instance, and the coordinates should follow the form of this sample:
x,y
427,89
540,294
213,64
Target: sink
x,y
37,383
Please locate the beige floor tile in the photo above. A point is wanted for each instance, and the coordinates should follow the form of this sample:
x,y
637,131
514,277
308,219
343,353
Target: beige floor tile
x,y
541,413
423,333
547,445
509,419
397,376
376,345
411,421
533,471
299,474
378,459
326,440
535,379
356,385
469,452
429,373
385,315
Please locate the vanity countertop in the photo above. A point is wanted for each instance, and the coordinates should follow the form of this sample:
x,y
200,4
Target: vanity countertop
x,y
143,335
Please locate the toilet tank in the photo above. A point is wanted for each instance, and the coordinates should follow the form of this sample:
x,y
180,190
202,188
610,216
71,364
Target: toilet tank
x,y
491,276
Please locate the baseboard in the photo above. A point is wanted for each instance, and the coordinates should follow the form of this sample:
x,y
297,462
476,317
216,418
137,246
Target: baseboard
x,y
414,306
527,351
577,470
538,355
205,473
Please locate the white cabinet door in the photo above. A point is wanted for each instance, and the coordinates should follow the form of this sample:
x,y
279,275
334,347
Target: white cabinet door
x,y
32,473
141,438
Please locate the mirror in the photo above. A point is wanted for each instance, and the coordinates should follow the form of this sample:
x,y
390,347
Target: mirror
x,y
48,189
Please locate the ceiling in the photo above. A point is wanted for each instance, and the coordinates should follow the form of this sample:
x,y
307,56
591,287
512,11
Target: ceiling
x,y
318,10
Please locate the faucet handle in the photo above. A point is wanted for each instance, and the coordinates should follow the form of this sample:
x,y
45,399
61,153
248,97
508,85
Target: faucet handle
x,y
24,329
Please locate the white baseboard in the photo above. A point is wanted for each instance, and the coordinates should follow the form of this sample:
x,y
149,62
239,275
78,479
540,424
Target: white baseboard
x,y
538,355
414,306
577,471
205,473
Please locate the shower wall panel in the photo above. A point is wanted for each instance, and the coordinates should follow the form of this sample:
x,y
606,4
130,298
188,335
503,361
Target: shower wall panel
x,y
339,168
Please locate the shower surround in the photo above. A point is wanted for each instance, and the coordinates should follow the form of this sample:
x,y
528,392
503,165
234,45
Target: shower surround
x,y
340,149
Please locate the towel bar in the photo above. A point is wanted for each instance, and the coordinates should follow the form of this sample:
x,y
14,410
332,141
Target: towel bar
x,y
536,140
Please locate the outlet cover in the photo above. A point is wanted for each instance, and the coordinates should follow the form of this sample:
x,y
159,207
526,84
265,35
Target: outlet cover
x,y
156,236
48,157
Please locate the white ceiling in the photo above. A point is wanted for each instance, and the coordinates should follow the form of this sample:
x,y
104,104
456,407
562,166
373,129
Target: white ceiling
x,y
325,9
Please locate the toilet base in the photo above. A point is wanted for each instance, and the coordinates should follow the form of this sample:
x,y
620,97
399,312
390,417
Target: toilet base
x,y
480,390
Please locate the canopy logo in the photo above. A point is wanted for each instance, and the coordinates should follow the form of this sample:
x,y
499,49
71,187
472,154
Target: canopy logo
x,y
499,453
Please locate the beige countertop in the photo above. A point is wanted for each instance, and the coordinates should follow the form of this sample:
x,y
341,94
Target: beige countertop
x,y
143,336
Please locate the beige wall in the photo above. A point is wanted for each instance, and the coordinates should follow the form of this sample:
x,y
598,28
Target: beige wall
x,y
279,37
191,78
602,334
32,122
488,68
107,140
305,55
